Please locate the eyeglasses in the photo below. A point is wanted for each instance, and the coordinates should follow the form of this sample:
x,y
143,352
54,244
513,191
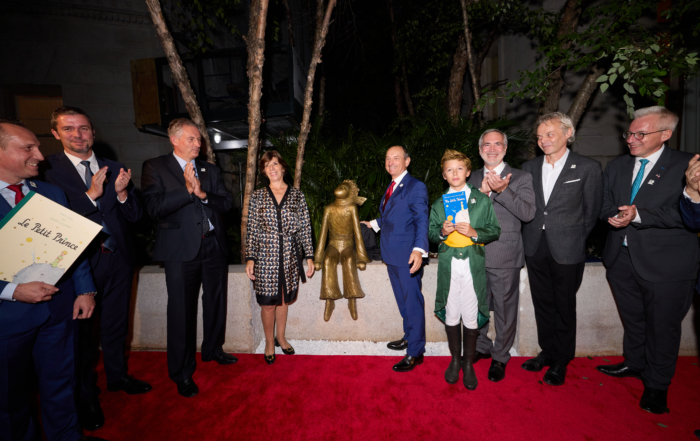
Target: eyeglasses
x,y
639,135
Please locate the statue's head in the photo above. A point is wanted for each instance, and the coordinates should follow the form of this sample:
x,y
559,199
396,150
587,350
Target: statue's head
x,y
348,190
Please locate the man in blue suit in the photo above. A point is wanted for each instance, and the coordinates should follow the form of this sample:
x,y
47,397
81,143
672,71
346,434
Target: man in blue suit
x,y
100,190
404,225
36,319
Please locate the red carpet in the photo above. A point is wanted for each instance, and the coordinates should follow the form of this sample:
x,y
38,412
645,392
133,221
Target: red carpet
x,y
360,398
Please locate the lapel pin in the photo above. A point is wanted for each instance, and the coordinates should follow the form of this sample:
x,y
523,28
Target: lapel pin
x,y
473,201
651,182
573,165
32,184
400,185
658,176
203,169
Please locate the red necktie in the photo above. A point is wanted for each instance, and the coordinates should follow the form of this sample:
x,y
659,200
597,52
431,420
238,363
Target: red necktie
x,y
389,191
17,188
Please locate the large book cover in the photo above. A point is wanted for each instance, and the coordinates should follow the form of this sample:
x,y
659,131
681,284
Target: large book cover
x,y
456,207
41,239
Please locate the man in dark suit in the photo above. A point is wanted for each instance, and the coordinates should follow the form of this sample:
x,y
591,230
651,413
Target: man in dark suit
x,y
187,197
100,190
404,225
513,199
36,319
651,257
568,195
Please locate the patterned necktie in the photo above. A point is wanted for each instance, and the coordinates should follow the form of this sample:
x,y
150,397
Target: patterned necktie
x,y
206,227
389,191
17,188
107,239
638,180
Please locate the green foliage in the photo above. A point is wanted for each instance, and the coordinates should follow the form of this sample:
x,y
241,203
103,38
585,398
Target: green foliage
x,y
428,32
617,36
360,156
199,21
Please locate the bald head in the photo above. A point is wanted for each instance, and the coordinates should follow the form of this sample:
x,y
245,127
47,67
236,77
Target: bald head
x,y
19,153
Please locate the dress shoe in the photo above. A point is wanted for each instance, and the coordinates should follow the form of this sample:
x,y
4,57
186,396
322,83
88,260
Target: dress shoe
x,y
288,351
697,433
408,363
538,363
187,388
619,370
90,414
398,345
130,385
222,358
481,356
497,371
555,375
654,400
269,359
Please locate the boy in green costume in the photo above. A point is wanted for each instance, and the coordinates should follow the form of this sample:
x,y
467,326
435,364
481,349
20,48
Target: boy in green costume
x,y
461,285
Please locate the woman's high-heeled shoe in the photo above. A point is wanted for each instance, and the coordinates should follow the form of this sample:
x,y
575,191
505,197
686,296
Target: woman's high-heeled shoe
x,y
269,359
288,351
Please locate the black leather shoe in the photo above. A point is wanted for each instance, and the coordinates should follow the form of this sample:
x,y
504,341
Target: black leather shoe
x,y
90,414
555,375
654,400
130,385
481,356
497,371
408,363
538,363
619,370
398,345
269,359
288,351
187,388
222,358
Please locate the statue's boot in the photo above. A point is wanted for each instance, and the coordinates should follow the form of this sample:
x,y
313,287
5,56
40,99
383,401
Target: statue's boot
x,y
352,306
454,342
330,306
469,376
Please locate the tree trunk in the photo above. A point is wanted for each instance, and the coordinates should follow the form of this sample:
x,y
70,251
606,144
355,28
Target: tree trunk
x,y
319,41
290,24
455,91
256,59
180,74
589,86
397,95
321,99
568,24
471,59
404,80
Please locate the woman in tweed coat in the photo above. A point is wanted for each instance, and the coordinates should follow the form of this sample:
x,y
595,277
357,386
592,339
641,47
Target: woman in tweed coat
x,y
278,239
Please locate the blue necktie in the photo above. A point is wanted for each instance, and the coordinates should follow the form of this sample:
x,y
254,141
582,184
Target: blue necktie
x,y
638,180
107,239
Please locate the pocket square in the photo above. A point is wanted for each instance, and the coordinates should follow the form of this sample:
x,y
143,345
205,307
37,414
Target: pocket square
x,y
569,182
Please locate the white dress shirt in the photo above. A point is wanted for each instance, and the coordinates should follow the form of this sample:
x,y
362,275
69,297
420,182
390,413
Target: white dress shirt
x,y
183,164
550,174
375,225
94,168
9,195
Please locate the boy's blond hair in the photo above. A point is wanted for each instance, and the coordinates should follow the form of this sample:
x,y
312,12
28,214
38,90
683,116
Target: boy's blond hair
x,y
449,155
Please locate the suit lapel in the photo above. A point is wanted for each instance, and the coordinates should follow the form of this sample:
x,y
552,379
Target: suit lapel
x,y
626,180
656,173
203,176
66,167
175,169
567,171
4,207
396,193
537,181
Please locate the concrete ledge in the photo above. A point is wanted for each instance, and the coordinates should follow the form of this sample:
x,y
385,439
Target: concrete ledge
x,y
599,329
